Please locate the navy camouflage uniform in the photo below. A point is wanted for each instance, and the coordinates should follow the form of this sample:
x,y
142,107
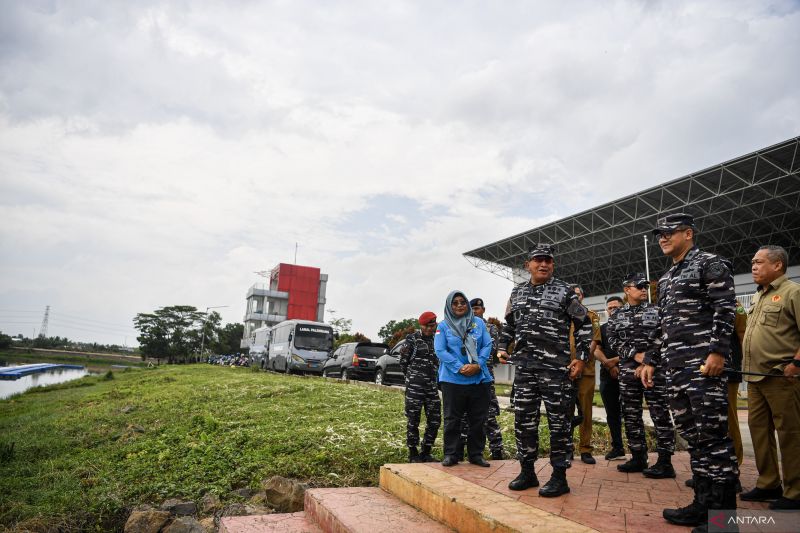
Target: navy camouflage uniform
x,y
633,329
698,307
420,365
538,319
494,433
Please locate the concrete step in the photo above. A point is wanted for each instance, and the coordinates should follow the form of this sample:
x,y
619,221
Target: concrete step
x,y
344,510
366,510
466,506
280,522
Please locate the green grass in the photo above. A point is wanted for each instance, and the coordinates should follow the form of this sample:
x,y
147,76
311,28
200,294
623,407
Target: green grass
x,y
87,451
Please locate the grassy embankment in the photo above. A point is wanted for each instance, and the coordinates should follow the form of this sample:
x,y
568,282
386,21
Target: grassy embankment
x,y
87,451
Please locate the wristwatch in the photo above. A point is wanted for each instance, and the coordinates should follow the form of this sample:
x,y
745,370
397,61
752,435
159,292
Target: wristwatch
x,y
796,362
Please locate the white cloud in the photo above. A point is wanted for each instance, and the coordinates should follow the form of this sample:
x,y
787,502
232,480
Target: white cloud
x,y
159,153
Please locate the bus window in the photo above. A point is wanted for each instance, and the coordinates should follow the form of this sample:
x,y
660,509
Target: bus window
x,y
313,338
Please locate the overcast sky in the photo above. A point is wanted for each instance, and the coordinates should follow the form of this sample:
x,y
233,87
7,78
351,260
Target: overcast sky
x,y
158,153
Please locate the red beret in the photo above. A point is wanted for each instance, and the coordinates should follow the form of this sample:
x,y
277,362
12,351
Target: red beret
x,y
426,317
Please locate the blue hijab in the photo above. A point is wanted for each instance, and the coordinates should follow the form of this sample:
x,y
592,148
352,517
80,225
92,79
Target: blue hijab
x,y
460,326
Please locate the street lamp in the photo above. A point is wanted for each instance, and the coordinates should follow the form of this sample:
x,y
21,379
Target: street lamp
x,y
205,319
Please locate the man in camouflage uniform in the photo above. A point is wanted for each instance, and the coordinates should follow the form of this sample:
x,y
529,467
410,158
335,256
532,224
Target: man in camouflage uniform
x,y
538,317
420,366
633,332
696,298
492,428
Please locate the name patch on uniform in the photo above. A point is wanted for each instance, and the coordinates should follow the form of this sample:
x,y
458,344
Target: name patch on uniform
x,y
776,298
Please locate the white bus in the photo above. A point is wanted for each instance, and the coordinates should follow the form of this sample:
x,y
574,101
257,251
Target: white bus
x,y
300,346
259,347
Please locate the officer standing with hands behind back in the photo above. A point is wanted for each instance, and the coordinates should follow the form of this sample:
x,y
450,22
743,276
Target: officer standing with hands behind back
x,y
538,318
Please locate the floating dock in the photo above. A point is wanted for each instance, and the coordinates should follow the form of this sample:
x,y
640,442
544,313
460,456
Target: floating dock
x,y
16,372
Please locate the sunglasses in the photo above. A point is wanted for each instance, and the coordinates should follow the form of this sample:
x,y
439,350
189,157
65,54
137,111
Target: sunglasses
x,y
459,303
641,285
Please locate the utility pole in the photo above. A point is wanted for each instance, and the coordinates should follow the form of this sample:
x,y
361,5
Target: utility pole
x,y
205,319
43,329
647,270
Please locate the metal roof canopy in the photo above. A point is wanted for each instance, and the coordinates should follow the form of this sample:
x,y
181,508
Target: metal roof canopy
x,y
738,206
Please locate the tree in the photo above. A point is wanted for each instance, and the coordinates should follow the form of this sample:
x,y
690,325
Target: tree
x,y
400,334
347,337
391,327
5,341
341,326
229,339
175,332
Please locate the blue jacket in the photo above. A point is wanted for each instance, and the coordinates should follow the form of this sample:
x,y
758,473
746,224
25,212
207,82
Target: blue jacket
x,y
448,349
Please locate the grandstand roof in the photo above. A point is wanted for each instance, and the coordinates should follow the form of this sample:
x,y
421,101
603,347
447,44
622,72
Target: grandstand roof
x,y
738,206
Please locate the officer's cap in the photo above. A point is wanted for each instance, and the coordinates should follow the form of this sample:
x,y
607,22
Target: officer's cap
x,y
634,278
542,249
673,222
476,302
426,318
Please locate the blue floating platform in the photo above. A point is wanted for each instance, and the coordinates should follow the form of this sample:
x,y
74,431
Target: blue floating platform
x,y
16,372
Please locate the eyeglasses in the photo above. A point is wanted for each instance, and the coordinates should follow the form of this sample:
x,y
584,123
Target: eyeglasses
x,y
459,303
667,233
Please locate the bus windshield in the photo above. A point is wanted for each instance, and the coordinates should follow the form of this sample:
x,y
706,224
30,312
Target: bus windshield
x,y
313,338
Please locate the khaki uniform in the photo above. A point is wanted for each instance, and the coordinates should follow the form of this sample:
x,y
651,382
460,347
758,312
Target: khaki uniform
x,y
739,326
771,341
586,385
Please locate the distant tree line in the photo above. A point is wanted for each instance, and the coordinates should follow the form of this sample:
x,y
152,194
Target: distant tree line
x,y
178,333
59,343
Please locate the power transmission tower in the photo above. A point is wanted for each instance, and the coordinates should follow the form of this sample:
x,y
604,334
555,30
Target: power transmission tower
x,y
43,329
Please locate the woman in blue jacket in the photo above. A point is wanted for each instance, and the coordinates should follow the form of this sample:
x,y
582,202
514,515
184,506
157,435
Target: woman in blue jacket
x,y
463,346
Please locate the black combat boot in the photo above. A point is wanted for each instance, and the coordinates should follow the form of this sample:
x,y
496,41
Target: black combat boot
x,y
721,496
413,455
637,463
662,469
557,484
425,455
526,478
696,513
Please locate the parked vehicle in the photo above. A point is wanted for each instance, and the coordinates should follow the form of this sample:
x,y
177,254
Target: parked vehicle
x,y
387,368
354,360
259,348
299,346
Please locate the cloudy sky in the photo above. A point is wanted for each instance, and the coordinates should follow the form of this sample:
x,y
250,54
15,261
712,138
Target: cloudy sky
x,y
158,153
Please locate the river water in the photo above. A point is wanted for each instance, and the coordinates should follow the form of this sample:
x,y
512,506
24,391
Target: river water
x,y
50,377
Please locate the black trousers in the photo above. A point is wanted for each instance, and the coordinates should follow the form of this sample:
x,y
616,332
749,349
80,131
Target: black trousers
x,y
609,392
458,400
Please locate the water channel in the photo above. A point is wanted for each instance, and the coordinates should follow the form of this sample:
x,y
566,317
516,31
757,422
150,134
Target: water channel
x,y
49,377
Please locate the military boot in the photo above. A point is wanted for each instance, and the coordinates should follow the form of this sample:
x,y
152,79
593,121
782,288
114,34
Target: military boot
x,y
526,478
557,484
662,469
413,454
425,455
637,463
721,496
696,513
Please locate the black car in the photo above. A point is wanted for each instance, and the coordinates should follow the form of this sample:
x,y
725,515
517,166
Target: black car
x,y
354,360
387,369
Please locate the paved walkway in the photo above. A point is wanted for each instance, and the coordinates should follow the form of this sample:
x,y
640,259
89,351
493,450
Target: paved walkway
x,y
599,415
602,497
